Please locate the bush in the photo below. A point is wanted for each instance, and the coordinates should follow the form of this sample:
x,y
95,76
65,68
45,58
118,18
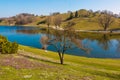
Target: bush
x,y
2,40
41,22
7,47
14,48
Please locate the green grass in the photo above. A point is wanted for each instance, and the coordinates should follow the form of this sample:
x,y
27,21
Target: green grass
x,y
92,24
74,68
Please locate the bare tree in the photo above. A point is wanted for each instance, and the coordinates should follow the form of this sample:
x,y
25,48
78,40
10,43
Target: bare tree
x,y
57,21
48,21
105,19
62,40
65,40
44,42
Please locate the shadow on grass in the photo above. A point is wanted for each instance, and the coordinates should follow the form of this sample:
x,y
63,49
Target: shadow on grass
x,y
115,29
30,57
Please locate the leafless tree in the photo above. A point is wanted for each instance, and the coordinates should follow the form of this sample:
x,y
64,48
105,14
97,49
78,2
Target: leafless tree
x,y
65,40
62,40
57,21
105,19
44,42
48,21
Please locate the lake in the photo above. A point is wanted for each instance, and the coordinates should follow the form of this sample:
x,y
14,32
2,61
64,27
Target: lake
x,y
101,45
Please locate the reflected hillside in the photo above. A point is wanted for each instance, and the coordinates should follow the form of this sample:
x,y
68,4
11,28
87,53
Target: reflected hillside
x,y
31,31
98,36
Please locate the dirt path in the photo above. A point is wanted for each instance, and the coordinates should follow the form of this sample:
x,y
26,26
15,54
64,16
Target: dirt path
x,y
34,56
95,31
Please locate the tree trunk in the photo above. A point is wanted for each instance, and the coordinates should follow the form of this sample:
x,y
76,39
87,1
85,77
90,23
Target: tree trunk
x,y
105,28
61,56
61,61
48,31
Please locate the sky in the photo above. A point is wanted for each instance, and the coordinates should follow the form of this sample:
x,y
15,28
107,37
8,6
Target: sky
x,y
10,8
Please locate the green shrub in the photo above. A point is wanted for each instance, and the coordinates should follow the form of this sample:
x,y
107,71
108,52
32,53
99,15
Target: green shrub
x,y
2,40
14,48
7,47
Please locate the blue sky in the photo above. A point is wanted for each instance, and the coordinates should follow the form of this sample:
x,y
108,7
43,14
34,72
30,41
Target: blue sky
x,y
13,7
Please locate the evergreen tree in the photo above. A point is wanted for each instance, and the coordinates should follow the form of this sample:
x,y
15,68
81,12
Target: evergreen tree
x,y
76,14
71,15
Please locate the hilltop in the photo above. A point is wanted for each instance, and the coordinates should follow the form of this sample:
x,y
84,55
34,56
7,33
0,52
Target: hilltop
x,y
83,19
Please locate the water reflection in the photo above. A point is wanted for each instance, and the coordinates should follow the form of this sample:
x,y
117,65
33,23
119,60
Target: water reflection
x,y
104,42
118,46
79,43
31,31
99,45
44,41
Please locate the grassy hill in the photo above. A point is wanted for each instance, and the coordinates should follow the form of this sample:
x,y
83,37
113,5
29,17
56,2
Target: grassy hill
x,y
86,20
36,64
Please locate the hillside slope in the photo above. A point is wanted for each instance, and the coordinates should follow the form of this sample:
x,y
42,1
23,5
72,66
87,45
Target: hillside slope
x,y
85,20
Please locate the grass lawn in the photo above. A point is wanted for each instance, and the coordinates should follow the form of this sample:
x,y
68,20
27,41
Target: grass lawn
x,y
36,64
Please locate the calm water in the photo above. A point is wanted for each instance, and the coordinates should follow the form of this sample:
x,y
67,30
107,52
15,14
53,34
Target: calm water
x,y
29,36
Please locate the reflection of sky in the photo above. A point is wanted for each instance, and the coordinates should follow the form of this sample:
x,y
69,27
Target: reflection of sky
x,y
33,40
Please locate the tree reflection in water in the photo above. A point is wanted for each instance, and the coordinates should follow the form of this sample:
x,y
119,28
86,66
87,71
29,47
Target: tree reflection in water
x,y
32,31
104,42
118,45
44,41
